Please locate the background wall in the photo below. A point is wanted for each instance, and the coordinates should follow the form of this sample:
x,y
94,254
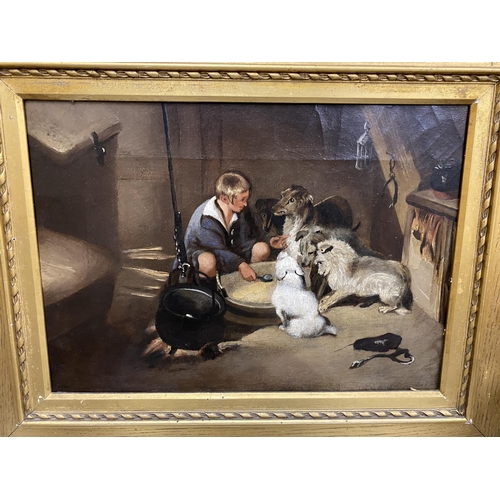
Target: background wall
x,y
276,145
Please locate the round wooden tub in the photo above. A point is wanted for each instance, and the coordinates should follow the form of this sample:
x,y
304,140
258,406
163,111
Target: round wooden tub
x,y
251,298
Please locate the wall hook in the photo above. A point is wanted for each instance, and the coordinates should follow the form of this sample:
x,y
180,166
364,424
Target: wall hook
x,y
391,180
99,149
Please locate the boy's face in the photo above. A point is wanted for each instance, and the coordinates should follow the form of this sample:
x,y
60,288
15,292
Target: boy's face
x,y
239,202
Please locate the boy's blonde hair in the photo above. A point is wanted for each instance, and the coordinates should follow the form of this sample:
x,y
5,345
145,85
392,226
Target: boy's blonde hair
x,y
231,184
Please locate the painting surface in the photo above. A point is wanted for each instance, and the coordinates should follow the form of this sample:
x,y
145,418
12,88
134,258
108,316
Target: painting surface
x,y
105,225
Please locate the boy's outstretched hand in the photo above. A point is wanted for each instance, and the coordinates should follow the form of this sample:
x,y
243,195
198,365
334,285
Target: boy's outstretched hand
x,y
247,273
278,242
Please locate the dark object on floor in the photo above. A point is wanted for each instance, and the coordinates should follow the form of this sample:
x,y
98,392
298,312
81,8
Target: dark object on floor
x,y
210,351
394,356
382,343
190,315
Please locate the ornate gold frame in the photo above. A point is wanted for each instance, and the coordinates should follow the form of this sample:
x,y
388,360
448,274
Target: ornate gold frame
x,y
468,401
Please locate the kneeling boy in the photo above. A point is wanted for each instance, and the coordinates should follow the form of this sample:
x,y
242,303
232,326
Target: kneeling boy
x,y
223,234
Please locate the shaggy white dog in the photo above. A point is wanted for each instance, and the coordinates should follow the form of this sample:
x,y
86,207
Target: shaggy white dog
x,y
297,307
349,274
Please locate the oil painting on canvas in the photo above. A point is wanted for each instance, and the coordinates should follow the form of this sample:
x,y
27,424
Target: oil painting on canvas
x,y
228,247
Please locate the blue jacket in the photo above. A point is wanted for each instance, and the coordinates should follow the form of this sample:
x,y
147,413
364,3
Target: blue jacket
x,y
206,232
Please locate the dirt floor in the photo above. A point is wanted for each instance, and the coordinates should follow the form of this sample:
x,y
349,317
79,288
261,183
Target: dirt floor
x,y
122,353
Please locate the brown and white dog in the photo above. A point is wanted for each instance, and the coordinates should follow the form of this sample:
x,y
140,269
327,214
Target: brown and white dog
x,y
296,204
349,274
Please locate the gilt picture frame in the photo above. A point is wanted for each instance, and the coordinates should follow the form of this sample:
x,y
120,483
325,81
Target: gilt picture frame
x,y
465,403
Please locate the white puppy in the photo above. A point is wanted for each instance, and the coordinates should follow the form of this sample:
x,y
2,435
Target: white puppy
x,y
297,307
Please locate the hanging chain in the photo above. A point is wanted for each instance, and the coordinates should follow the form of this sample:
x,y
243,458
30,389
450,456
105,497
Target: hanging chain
x,y
391,180
180,247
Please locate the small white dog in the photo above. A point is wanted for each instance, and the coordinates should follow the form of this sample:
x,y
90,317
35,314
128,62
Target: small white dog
x,y
349,274
297,307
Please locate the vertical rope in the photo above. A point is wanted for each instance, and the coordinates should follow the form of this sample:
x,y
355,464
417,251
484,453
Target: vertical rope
x,y
178,233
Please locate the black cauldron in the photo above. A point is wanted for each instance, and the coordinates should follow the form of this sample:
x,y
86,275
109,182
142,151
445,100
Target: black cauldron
x,y
190,315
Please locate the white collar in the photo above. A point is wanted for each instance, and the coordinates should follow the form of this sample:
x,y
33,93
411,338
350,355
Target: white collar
x,y
211,209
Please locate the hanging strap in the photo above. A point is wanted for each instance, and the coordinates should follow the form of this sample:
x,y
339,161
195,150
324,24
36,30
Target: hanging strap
x,y
178,232
394,356
391,179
